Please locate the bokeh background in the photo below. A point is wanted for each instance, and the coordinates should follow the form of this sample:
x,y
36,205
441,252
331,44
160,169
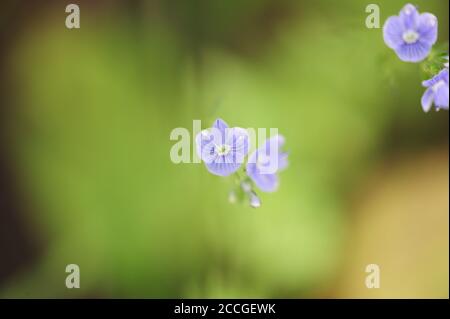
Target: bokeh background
x,y
86,178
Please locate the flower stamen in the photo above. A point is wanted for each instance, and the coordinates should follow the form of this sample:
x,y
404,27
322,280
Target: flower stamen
x,y
223,150
410,36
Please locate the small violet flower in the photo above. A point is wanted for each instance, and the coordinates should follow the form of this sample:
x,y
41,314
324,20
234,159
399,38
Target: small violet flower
x,y
437,91
223,149
411,35
264,164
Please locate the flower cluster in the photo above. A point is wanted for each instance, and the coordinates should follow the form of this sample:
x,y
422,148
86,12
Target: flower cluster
x,y
412,35
437,91
224,149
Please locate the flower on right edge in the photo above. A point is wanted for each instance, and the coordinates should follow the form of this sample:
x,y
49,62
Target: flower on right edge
x,y
264,164
411,34
222,148
437,91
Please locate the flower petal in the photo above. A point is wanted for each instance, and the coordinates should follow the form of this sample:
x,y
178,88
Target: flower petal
x,y
443,75
265,162
239,142
265,182
393,32
209,153
427,99
441,95
428,28
282,161
410,17
414,52
220,168
221,126
201,140
272,153
430,82
277,140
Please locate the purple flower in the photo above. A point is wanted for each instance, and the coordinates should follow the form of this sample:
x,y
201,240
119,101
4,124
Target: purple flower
x,y
223,149
411,35
264,164
436,92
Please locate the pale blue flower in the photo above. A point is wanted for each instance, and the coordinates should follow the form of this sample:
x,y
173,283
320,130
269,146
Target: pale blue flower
x,y
223,149
437,91
411,34
264,164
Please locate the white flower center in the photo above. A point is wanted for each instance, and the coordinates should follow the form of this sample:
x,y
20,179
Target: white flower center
x,y
223,149
410,36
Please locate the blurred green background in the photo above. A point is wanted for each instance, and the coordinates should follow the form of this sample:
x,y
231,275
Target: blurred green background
x,y
86,176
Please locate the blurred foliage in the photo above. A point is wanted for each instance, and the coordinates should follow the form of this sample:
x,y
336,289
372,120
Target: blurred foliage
x,y
90,141
435,61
